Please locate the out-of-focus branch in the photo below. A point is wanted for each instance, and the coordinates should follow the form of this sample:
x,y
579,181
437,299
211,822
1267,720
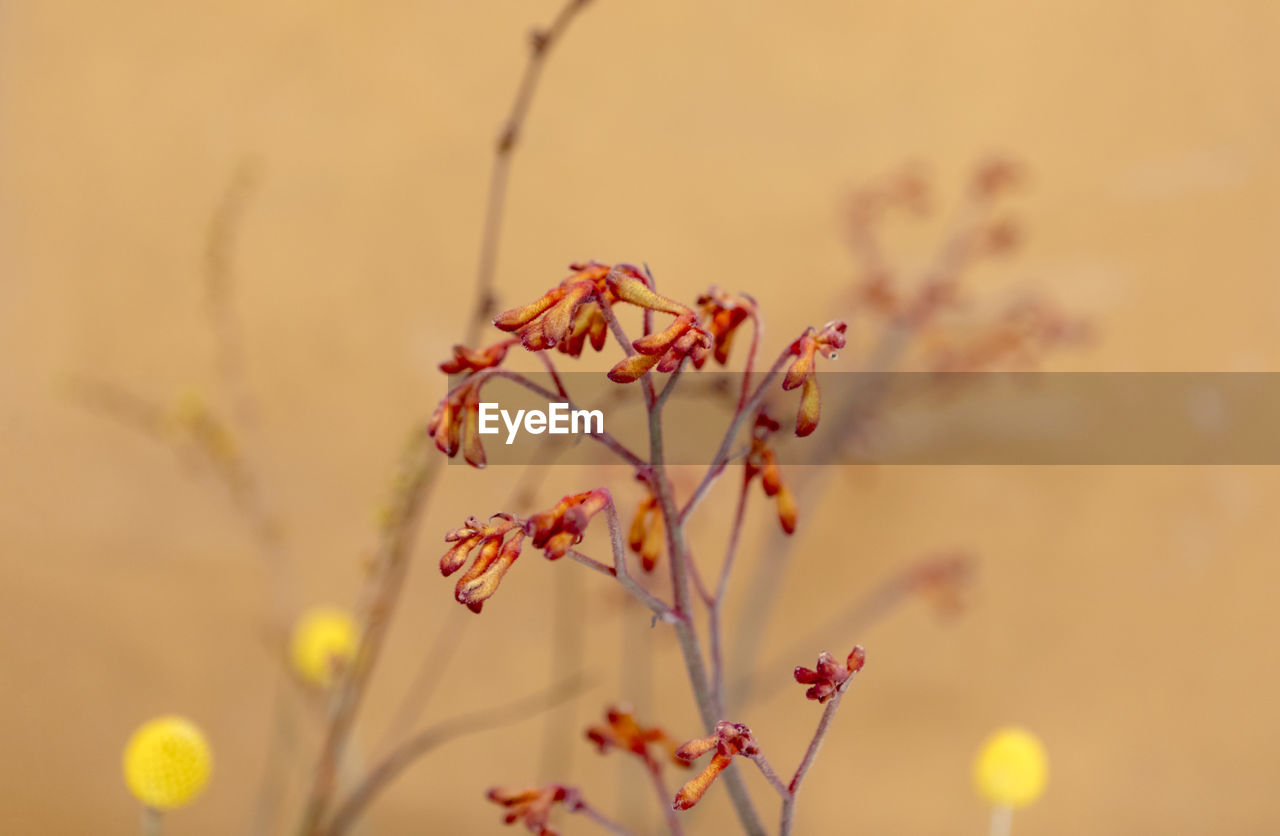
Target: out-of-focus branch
x,y
420,466
403,755
943,574
381,593
543,41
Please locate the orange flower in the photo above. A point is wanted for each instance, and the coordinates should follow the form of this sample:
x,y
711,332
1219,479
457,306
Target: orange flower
x,y
727,740
723,314
560,528
569,312
533,807
803,371
473,360
761,461
830,676
495,554
662,350
623,732
647,532
456,422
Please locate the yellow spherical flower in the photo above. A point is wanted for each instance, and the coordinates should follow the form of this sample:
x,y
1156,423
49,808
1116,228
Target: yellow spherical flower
x,y
324,639
1012,768
167,762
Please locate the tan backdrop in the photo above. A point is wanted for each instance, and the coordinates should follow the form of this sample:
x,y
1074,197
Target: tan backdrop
x,y
1124,613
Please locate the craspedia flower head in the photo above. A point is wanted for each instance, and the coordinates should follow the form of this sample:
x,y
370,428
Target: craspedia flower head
x,y
324,641
1012,768
167,762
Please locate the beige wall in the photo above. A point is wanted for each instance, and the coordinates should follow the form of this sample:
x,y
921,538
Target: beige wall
x,y
1124,613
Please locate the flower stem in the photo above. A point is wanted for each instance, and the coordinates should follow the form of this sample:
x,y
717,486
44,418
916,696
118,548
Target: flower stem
x,y
722,455
408,751
824,724
601,819
152,822
664,800
508,139
685,632
1001,820
381,593
717,602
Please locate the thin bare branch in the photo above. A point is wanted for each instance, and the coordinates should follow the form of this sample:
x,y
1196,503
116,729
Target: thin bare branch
x,y
542,43
380,596
404,755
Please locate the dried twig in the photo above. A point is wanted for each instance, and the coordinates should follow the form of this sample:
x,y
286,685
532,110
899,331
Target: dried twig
x,y
541,45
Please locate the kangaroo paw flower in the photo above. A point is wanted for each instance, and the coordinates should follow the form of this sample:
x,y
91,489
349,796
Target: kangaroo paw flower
x,y
728,740
467,360
455,424
803,371
647,532
569,314
762,462
560,528
722,313
623,732
830,676
532,807
496,544
663,350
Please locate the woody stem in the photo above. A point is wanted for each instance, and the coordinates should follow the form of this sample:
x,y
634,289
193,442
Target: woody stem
x,y
767,770
717,602
664,799
507,141
685,631
619,571
601,819
721,457
824,724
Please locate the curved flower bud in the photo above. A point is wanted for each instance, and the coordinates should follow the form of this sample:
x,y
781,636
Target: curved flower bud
x,y
622,731
467,360
728,740
803,370
569,314
455,424
664,350
479,582
589,324
829,676
762,462
532,807
647,533
496,544
723,313
560,528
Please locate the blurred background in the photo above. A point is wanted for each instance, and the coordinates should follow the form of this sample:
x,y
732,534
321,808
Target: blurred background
x,y
1123,613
